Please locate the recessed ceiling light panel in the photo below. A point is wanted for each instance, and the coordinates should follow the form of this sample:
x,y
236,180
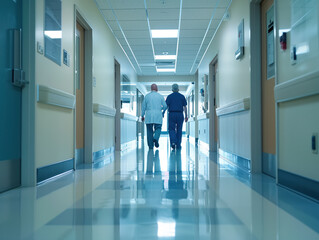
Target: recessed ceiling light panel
x,y
165,69
165,57
165,33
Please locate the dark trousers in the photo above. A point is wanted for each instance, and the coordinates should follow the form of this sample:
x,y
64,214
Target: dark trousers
x,y
175,126
153,133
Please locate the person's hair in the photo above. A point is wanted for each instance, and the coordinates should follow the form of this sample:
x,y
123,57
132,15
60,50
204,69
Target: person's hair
x,y
154,87
175,87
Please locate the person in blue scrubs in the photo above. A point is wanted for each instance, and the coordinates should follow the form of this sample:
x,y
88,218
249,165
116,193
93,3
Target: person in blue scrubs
x,y
153,107
176,104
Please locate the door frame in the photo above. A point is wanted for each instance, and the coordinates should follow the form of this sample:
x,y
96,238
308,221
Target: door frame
x,y
117,103
28,171
88,86
255,87
212,105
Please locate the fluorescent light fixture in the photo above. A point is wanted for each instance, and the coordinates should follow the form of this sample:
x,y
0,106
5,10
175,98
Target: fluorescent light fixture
x,y
53,34
165,69
165,33
165,57
166,229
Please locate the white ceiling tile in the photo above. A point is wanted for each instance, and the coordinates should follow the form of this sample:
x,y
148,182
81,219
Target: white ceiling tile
x,y
164,24
194,24
206,13
168,41
192,33
205,3
128,15
140,41
102,4
134,34
163,4
160,14
132,25
190,40
125,4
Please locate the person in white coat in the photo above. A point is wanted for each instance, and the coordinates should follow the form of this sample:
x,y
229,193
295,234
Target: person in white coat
x,y
153,107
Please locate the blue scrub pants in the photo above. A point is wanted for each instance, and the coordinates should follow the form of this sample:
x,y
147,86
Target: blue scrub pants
x,y
175,126
153,133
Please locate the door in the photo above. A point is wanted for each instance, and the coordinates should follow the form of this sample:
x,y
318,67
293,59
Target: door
x,y
79,71
10,97
213,119
268,84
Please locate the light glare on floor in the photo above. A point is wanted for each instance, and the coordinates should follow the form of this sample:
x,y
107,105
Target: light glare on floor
x,y
166,229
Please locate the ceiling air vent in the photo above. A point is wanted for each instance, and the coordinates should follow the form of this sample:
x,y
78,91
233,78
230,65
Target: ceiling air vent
x,y
165,63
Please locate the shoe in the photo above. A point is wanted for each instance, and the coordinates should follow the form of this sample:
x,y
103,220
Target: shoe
x,y
156,143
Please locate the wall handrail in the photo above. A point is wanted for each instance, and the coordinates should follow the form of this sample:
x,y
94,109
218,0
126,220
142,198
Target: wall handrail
x,y
234,107
104,110
55,97
296,88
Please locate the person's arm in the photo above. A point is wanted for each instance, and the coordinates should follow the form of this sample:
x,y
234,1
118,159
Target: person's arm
x,y
185,113
185,109
143,110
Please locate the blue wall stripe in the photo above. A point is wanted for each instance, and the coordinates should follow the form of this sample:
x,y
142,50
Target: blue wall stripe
x,y
298,183
49,171
239,161
102,153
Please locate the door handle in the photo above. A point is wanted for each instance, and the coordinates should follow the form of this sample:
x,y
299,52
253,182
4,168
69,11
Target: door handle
x,y
18,75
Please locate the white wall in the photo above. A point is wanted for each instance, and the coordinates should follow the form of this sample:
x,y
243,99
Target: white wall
x,y
233,80
298,119
54,125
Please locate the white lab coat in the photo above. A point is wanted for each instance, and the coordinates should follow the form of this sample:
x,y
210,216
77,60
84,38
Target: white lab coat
x,y
152,108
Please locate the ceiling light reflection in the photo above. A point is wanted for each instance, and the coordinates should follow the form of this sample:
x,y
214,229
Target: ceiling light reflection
x,y
166,229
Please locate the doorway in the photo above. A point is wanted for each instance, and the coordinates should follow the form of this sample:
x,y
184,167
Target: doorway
x,y
213,119
10,95
83,84
80,92
268,84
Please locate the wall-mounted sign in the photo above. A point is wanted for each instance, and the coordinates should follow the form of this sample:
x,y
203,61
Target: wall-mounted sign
x,y
240,36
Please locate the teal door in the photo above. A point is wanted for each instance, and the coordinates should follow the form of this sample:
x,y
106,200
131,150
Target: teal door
x,y
10,97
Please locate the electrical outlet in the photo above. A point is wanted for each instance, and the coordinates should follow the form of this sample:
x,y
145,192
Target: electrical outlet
x,y
314,143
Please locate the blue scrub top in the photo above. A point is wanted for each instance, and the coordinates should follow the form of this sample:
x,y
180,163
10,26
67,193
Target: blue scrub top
x,y
175,102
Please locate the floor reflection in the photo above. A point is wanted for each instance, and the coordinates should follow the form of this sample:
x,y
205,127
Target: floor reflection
x,y
158,194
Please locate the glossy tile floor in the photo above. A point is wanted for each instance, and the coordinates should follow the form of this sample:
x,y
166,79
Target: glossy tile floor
x,y
160,194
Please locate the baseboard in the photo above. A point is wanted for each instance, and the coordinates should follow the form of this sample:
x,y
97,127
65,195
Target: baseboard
x,y
240,162
305,186
269,164
79,156
102,153
51,171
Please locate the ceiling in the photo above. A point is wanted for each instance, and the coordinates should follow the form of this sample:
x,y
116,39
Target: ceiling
x,y
132,20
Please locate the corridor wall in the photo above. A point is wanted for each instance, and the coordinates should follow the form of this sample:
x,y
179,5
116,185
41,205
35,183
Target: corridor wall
x,y
233,81
297,96
54,133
